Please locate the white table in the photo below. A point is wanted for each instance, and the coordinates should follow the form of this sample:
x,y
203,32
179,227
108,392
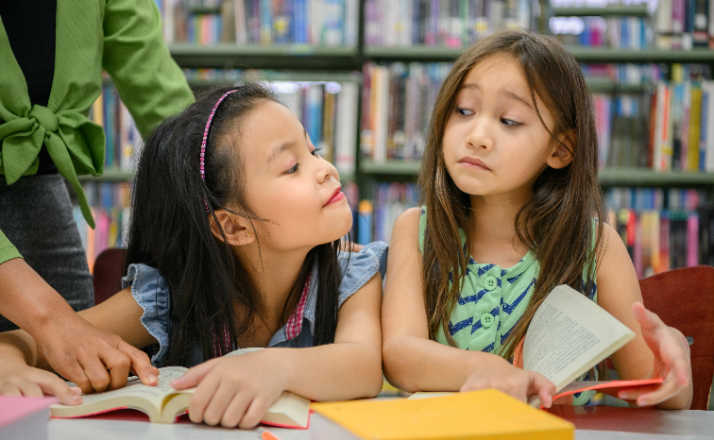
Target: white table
x,y
596,423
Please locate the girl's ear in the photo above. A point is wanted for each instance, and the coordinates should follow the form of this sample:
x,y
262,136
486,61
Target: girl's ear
x,y
562,151
236,229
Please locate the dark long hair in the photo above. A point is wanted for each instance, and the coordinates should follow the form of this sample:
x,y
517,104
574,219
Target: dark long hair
x,y
170,229
557,223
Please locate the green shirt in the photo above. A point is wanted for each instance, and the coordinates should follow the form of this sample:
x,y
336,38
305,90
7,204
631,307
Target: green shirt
x,y
492,301
122,37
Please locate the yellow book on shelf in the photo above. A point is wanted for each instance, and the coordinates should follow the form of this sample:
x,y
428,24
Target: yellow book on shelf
x,y
485,414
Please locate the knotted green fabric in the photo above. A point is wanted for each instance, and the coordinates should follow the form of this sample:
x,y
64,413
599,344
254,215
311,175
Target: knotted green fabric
x,y
74,143
122,37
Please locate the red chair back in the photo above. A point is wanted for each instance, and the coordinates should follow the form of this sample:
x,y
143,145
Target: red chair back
x,y
684,299
107,272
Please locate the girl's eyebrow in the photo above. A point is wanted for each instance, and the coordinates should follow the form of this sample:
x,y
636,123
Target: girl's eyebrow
x,y
278,150
508,93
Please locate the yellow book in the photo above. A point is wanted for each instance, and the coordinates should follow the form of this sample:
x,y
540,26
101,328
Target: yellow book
x,y
485,414
695,116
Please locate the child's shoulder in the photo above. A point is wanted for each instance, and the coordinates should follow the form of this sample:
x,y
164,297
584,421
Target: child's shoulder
x,y
411,219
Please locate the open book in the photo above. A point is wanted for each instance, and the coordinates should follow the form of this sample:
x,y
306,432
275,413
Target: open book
x,y
163,404
568,335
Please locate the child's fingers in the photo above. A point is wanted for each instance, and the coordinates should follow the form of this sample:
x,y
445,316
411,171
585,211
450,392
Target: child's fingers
x,y
543,387
30,389
54,386
195,375
649,321
669,388
201,398
218,404
235,412
140,364
256,410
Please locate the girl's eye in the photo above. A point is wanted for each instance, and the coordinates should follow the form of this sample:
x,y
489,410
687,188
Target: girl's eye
x,y
316,152
464,111
293,169
510,122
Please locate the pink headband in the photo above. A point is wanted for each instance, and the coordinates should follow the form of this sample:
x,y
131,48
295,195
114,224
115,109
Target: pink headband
x,y
205,133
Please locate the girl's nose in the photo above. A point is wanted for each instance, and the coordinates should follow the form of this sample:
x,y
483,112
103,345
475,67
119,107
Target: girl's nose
x,y
479,137
326,171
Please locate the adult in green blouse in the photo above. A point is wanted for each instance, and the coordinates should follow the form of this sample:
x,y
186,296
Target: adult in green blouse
x,y
52,54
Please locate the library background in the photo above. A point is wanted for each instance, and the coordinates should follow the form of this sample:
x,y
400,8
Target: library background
x,y
363,75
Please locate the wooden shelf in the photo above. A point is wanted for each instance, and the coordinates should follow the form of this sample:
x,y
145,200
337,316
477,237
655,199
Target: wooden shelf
x,y
584,54
276,76
412,53
288,56
611,55
390,167
647,177
608,176
604,85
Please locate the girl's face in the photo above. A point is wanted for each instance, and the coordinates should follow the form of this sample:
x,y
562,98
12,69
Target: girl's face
x,y
494,143
288,183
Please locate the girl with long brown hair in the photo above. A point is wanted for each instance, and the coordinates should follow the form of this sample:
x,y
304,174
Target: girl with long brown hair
x,y
512,208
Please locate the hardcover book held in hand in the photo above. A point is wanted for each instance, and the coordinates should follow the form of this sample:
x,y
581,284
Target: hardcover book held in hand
x,y
570,334
164,404
483,414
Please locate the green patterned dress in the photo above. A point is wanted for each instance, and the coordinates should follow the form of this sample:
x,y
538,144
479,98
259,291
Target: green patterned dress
x,y
493,300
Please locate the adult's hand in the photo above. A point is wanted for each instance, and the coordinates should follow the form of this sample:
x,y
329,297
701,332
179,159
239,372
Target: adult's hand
x,y
91,358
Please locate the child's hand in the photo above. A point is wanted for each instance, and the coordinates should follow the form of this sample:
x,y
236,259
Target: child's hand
x,y
518,383
235,390
93,359
19,379
672,361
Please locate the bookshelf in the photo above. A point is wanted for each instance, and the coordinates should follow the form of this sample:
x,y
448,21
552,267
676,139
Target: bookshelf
x,y
346,63
616,176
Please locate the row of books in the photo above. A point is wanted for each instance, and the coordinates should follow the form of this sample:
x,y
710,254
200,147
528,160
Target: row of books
x,y
614,32
450,23
664,127
668,24
683,24
681,120
264,22
122,139
396,103
662,229
327,109
111,208
376,216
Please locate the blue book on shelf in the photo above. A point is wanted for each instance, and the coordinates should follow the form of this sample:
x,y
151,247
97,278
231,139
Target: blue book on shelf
x,y
300,21
266,22
314,113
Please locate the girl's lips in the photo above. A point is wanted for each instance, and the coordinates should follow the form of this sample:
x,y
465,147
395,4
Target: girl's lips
x,y
474,163
336,197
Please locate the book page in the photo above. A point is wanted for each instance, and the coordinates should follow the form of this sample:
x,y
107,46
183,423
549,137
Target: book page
x,y
569,334
129,395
